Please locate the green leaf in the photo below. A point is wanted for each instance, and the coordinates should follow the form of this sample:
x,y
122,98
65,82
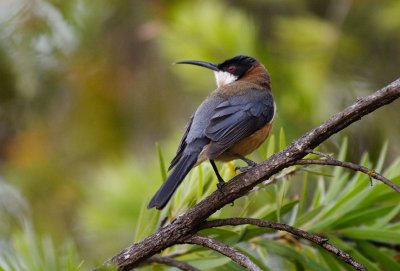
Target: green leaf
x,y
161,162
309,216
303,195
201,183
291,254
379,193
278,203
373,234
330,260
271,146
287,207
318,173
366,216
147,222
353,252
318,194
282,139
248,250
26,250
373,252
394,226
339,179
382,156
393,171
280,192
231,266
349,201
384,221
251,232
207,263
336,184
268,147
322,224
227,236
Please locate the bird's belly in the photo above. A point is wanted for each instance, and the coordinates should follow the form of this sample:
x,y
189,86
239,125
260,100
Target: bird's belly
x,y
246,145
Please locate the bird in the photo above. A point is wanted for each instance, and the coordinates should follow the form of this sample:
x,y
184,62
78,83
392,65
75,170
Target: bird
x,y
232,122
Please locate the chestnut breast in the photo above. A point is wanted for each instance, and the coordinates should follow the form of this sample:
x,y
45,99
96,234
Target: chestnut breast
x,y
246,145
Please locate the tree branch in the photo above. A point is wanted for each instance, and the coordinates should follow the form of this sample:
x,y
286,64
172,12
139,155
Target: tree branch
x,y
222,248
243,183
171,262
320,241
334,162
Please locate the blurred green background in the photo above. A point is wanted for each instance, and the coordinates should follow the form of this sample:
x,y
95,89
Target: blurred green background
x,y
88,87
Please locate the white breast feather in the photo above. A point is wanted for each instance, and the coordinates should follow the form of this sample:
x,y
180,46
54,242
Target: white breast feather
x,y
223,78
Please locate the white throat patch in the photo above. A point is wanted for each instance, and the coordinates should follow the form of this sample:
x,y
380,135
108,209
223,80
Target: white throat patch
x,y
223,78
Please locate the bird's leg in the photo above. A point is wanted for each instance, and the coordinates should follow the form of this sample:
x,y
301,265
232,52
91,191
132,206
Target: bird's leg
x,y
250,163
221,181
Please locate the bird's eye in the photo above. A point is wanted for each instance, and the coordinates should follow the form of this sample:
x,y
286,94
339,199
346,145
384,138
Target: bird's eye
x,y
231,69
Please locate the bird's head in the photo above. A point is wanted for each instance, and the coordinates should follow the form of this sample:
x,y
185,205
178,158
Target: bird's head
x,y
228,71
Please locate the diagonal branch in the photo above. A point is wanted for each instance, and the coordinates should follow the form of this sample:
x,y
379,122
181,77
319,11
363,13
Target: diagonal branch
x,y
243,183
222,248
334,162
171,262
320,241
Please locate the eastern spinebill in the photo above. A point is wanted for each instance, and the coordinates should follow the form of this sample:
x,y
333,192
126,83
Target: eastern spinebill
x,y
233,121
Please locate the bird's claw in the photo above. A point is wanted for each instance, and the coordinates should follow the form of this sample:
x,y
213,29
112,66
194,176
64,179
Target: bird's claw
x,y
251,163
220,185
246,168
325,239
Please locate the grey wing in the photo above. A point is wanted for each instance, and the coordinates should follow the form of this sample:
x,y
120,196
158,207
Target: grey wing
x,y
182,145
237,118
194,138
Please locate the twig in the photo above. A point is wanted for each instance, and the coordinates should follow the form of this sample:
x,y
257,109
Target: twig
x,y
328,156
334,162
283,175
222,248
171,262
243,183
320,241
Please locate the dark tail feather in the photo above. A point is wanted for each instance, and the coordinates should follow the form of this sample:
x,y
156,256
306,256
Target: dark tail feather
x,y
182,168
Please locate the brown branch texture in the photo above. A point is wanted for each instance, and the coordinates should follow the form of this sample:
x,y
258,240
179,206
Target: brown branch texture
x,y
226,250
171,262
333,162
320,241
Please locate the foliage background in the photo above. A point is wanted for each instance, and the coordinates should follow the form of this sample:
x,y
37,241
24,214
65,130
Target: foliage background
x,y
87,88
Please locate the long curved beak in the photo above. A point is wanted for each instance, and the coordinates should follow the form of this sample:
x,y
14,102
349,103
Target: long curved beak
x,y
204,64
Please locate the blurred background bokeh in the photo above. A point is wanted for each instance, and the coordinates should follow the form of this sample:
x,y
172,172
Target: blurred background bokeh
x,y
88,87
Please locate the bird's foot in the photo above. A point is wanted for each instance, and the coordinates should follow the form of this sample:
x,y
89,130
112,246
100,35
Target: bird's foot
x,y
245,169
250,164
220,185
324,239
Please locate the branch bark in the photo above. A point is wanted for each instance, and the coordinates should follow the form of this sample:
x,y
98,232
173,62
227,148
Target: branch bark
x,y
222,248
334,162
320,241
243,183
171,262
